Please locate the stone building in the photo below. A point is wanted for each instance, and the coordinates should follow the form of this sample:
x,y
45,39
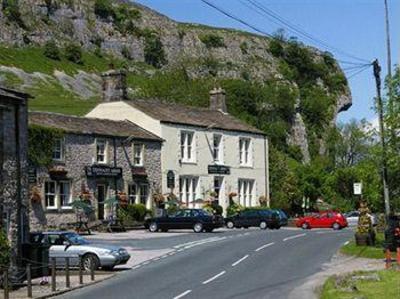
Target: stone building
x,y
206,151
98,158
13,169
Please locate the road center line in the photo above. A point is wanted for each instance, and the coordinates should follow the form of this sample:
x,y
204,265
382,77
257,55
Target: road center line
x,y
240,260
264,246
183,294
214,277
294,237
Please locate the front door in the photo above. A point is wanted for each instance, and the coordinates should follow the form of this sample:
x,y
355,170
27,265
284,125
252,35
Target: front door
x,y
101,196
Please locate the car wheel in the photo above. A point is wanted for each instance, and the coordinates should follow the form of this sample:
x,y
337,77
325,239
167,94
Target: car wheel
x,y
153,227
263,225
107,268
305,225
198,227
336,226
230,224
90,261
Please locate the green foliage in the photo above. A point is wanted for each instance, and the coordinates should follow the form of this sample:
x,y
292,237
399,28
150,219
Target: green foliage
x,y
4,250
212,40
103,8
11,11
41,141
135,212
126,53
154,51
51,50
172,209
233,209
244,47
73,53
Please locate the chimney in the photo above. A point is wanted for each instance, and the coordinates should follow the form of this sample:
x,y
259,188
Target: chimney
x,y
217,100
114,85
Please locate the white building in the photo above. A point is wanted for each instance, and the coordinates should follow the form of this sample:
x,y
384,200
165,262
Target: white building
x,y
206,150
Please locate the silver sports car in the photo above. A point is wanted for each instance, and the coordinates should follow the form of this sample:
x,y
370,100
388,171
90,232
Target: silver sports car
x,y
69,244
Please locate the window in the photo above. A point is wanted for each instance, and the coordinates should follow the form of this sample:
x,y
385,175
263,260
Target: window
x,y
50,194
187,147
246,192
138,153
218,186
101,151
58,150
217,149
57,194
138,193
65,194
188,189
245,151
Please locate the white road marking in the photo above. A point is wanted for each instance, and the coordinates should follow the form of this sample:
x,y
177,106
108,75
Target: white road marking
x,y
214,277
172,253
156,259
145,263
163,256
240,260
264,246
183,294
179,250
136,267
294,237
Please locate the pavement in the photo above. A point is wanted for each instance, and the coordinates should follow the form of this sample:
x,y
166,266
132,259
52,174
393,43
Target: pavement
x,y
235,263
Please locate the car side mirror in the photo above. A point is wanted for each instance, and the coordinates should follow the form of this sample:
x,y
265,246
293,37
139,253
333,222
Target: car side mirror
x,y
67,244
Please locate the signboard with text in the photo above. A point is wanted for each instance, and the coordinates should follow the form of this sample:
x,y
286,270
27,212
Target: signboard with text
x,y
219,169
357,188
103,171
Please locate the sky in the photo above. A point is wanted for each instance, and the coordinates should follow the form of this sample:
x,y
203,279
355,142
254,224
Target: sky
x,y
356,27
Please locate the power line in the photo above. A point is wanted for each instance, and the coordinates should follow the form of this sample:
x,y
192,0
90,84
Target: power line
x,y
358,72
271,14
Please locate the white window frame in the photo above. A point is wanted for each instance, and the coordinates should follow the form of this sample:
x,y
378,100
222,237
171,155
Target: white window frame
x,y
58,203
136,146
218,149
98,141
188,189
246,190
69,199
136,198
245,152
188,149
59,149
46,194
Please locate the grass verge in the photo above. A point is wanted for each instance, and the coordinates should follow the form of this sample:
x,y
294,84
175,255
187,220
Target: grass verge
x,y
372,252
351,286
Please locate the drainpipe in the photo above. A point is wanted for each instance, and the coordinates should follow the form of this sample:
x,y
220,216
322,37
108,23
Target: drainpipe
x,y
115,179
266,155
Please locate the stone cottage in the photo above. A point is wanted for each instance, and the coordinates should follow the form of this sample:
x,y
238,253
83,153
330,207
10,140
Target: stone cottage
x,y
13,170
207,152
96,158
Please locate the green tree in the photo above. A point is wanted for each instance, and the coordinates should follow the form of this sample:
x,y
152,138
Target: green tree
x,y
154,51
73,52
51,50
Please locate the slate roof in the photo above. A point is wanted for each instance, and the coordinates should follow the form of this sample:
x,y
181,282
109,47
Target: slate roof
x,y
13,94
169,112
91,126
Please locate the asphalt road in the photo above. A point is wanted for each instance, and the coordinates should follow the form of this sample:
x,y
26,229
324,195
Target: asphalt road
x,y
235,264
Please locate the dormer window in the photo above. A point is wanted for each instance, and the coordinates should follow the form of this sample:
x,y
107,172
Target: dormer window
x,y
101,151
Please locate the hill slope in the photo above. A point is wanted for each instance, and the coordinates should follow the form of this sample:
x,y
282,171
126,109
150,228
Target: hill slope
x,y
291,91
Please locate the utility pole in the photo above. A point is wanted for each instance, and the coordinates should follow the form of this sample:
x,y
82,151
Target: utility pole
x,y
379,104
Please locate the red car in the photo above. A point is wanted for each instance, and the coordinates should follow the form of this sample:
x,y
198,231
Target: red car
x,y
323,220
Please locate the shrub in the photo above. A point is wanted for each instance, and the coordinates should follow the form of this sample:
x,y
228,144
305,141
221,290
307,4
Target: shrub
x,y
103,9
11,11
4,250
136,211
244,48
154,51
172,209
73,52
212,41
51,50
126,53
276,47
233,209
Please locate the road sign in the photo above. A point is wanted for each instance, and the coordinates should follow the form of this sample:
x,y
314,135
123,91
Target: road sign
x,y
357,188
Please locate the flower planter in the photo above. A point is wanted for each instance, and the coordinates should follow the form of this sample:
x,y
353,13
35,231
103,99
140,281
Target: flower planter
x,y
57,173
365,239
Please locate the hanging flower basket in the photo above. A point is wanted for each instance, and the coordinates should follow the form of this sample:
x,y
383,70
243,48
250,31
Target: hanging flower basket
x,y
123,199
158,198
35,195
57,173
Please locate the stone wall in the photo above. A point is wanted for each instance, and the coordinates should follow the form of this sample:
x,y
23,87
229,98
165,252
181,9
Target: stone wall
x,y
80,152
13,167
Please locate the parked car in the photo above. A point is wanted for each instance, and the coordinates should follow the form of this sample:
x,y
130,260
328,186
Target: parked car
x,y
252,217
352,218
196,219
323,220
69,244
283,218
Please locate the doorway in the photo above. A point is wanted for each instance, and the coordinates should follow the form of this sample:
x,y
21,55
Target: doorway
x,y
101,196
219,189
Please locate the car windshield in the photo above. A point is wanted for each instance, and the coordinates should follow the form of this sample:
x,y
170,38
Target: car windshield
x,y
76,239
